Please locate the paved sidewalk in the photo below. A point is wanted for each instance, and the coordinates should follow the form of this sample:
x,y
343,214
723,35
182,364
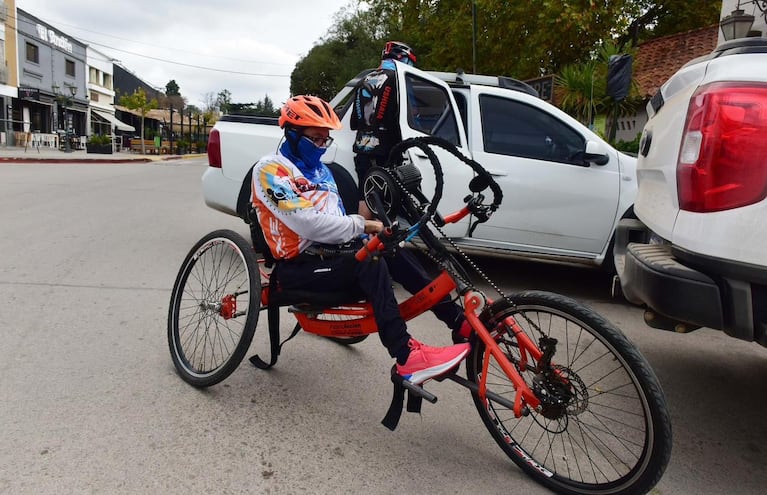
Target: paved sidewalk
x,y
15,154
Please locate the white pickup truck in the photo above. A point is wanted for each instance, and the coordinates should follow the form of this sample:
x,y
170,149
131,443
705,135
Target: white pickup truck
x,y
697,256
565,189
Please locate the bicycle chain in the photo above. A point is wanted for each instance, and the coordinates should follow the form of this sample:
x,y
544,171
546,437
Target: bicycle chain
x,y
464,257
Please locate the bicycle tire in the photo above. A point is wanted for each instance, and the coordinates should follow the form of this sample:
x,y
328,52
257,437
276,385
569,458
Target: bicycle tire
x,y
613,437
348,340
208,333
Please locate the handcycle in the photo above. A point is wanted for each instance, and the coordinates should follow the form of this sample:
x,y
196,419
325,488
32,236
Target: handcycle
x,y
563,392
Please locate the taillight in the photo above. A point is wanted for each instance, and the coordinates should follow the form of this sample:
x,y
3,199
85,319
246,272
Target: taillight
x,y
214,149
723,157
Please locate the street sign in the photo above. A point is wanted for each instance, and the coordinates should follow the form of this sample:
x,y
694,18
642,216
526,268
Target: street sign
x,y
544,86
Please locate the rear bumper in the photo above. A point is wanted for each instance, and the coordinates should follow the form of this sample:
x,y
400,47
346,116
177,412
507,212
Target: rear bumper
x,y
690,288
652,276
220,192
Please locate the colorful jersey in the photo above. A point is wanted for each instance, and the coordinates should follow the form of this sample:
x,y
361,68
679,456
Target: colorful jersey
x,y
295,212
375,115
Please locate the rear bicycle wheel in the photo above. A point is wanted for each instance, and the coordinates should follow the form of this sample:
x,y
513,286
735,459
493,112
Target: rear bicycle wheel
x,y
603,426
348,340
214,308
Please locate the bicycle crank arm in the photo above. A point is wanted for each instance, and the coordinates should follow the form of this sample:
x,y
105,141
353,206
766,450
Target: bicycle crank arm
x,y
488,394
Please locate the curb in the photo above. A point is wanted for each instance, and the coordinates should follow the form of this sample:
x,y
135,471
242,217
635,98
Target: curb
x,y
15,159
11,159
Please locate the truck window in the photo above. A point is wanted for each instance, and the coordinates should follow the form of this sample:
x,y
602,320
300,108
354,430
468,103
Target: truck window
x,y
429,109
513,128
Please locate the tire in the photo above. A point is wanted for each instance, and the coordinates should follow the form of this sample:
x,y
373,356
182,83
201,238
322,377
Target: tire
x,y
214,308
613,433
348,340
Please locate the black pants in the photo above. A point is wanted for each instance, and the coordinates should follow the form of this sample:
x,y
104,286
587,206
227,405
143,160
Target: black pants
x,y
406,270
342,273
373,278
362,163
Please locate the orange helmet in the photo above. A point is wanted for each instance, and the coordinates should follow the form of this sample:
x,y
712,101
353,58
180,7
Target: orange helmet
x,y
308,111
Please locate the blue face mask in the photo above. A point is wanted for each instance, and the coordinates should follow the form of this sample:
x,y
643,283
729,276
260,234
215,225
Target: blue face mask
x,y
303,152
310,152
306,156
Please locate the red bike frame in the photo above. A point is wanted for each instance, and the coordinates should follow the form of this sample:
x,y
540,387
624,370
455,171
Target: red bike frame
x,y
357,319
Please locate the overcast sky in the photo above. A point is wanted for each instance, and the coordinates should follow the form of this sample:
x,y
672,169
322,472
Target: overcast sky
x,y
246,36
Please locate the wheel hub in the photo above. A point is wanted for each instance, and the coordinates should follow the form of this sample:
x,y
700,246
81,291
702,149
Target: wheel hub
x,y
561,392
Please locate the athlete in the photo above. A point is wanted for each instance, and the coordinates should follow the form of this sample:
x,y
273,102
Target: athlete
x,y
298,207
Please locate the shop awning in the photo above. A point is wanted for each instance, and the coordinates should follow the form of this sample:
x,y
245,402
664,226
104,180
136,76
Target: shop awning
x,y
119,124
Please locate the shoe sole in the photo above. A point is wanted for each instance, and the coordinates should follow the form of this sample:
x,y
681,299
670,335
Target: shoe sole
x,y
419,377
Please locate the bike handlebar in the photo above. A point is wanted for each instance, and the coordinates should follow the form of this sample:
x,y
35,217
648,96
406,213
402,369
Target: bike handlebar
x,y
474,203
373,245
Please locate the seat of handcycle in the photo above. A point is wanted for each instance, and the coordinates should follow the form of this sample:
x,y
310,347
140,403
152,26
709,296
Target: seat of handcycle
x,y
307,299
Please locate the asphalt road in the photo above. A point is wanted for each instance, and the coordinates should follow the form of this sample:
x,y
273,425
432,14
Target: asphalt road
x,y
91,402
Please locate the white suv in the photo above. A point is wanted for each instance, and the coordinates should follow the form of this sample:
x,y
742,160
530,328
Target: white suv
x,y
698,254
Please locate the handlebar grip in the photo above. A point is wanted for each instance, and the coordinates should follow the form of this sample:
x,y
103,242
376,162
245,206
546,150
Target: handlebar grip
x,y
374,244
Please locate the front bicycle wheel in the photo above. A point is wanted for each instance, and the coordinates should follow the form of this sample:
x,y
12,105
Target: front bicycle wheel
x,y
214,308
603,426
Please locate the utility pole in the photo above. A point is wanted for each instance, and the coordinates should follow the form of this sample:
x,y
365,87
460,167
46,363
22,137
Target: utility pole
x,y
474,36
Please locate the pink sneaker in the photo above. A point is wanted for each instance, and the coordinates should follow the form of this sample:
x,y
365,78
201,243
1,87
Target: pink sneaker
x,y
426,362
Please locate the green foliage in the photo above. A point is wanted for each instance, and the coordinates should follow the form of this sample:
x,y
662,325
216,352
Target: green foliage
x,y
645,19
138,101
172,89
581,89
354,44
629,146
100,140
223,100
520,39
263,108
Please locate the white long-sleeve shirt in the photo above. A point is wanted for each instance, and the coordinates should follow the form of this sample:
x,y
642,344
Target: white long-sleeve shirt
x,y
294,212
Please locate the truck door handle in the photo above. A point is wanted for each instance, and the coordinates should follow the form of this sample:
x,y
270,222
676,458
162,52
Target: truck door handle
x,y
497,173
420,154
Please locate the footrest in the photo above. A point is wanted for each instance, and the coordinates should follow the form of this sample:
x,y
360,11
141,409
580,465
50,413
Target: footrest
x,y
417,393
413,388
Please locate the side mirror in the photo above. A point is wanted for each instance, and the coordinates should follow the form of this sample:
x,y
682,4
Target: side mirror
x,y
596,153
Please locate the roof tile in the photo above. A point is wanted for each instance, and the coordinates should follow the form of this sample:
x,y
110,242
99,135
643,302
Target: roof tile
x,y
659,59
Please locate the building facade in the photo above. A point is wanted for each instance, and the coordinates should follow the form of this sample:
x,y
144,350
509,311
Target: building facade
x,y
9,82
101,94
52,97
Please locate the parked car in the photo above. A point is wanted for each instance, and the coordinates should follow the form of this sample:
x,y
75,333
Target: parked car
x,y
565,189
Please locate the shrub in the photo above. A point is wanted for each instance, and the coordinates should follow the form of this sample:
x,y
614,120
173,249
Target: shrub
x,y
100,140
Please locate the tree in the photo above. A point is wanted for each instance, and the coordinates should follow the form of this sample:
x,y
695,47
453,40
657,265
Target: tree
x,y
581,89
209,103
354,43
138,101
648,20
223,100
519,39
172,89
